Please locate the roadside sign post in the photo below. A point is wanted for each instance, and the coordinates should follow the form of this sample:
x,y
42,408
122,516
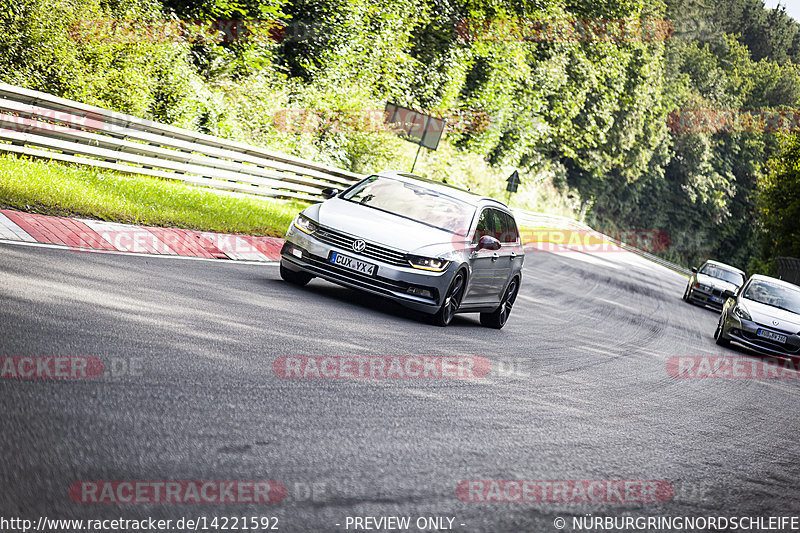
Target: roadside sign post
x,y
513,182
413,126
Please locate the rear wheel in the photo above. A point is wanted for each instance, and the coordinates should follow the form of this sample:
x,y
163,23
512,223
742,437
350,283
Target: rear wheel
x,y
498,318
718,333
296,278
452,300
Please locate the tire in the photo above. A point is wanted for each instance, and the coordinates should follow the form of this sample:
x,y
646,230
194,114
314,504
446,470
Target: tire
x,y
686,293
451,301
295,278
718,333
498,318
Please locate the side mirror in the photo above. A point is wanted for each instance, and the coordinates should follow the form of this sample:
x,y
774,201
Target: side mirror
x,y
330,192
487,242
694,269
728,294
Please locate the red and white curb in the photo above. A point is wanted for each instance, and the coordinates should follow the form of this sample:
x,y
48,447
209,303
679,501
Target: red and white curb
x,y
81,234
12,232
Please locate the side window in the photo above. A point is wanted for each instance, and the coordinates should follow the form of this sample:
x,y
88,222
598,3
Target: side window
x,y
505,229
512,234
484,225
499,224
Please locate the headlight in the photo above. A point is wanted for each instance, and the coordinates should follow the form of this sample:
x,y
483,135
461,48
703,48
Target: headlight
x,y
304,224
427,263
741,312
702,287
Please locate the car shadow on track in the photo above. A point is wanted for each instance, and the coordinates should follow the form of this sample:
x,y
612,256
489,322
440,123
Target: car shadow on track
x,y
337,294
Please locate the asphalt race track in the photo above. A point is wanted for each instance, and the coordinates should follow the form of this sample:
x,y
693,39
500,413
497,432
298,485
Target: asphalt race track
x,y
579,390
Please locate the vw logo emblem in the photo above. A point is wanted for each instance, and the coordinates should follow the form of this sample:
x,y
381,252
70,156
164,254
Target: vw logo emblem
x,y
359,245
775,322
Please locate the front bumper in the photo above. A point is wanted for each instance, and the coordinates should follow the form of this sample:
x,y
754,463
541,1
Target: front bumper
x,y
712,298
745,332
391,281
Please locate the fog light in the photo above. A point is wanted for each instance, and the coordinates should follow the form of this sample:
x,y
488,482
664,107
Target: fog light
x,y
297,253
419,291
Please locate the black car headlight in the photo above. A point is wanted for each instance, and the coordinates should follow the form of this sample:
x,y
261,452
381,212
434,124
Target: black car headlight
x,y
305,224
742,312
427,263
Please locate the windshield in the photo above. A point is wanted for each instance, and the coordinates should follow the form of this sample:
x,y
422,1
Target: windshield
x,y
774,295
413,201
721,273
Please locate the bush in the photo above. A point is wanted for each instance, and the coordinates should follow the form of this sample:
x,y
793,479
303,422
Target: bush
x,y
70,48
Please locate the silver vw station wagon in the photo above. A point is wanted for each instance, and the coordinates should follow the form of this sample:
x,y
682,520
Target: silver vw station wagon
x,y
430,246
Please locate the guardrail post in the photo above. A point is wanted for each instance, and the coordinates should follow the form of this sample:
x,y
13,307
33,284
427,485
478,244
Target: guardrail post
x,y
789,269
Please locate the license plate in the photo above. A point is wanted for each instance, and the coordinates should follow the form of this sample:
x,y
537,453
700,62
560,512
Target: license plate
x,y
353,264
717,299
771,336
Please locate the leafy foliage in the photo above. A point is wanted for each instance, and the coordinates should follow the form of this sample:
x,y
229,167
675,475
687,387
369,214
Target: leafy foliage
x,y
779,206
574,94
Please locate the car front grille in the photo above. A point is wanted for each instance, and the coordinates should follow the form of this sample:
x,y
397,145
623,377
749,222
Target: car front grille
x,y
705,299
333,272
371,250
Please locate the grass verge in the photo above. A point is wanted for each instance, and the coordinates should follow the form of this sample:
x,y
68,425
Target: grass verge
x,y
53,188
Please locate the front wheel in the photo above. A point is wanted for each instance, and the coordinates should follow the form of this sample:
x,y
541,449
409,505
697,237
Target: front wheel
x,y
686,293
295,278
721,341
498,318
452,300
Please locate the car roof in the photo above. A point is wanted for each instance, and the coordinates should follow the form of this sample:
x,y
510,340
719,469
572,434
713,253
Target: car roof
x,y
445,188
723,265
776,281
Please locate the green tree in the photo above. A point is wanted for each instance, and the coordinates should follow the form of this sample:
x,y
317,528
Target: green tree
x,y
779,206
70,49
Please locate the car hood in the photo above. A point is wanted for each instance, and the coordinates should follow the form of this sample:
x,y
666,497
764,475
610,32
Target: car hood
x,y
766,314
382,228
716,283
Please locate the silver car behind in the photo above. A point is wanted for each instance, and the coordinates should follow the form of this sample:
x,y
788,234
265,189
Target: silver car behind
x,y
707,284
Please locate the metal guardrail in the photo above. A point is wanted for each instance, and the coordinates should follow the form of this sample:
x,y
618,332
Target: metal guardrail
x,y
789,269
663,262
41,125
539,220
